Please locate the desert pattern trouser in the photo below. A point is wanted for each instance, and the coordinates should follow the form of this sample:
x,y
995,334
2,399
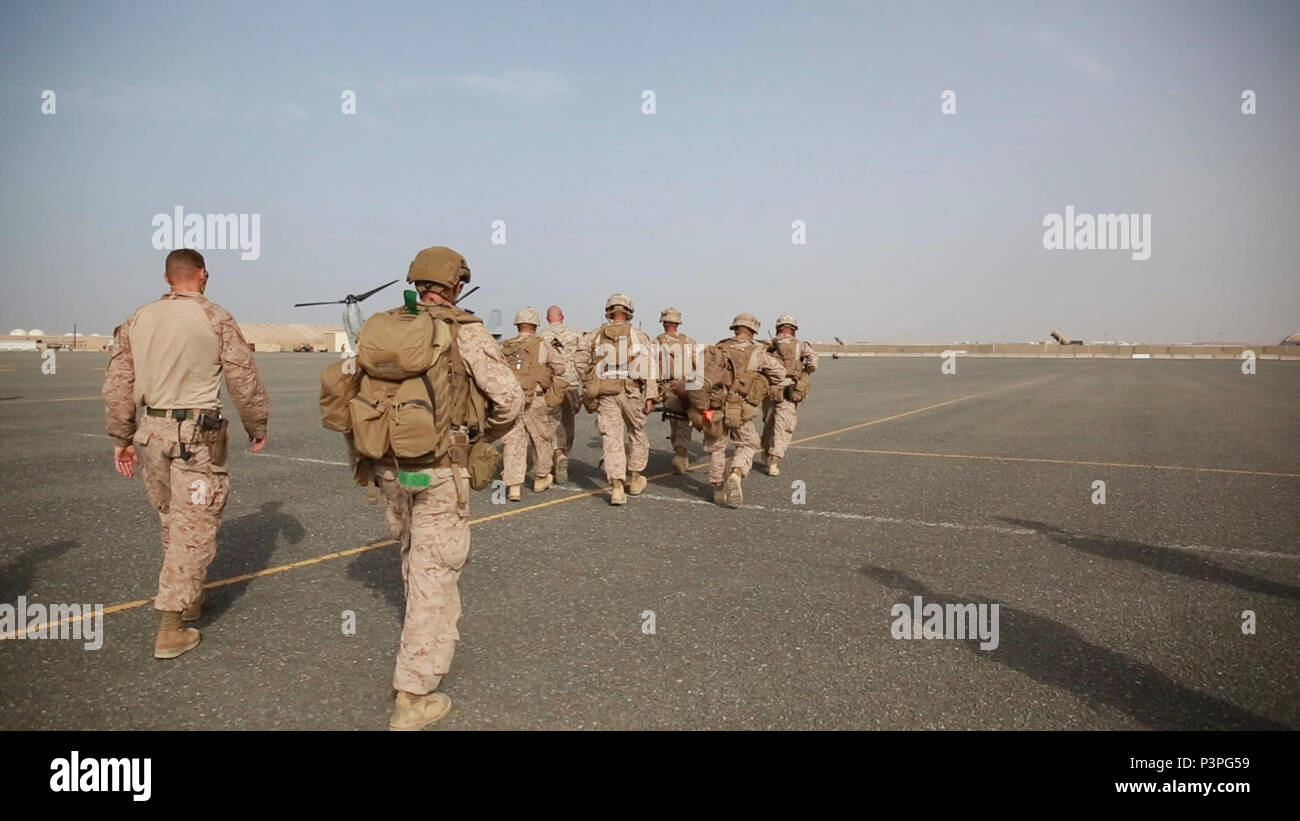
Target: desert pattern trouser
x,y
535,425
189,495
779,420
620,415
431,525
747,444
563,415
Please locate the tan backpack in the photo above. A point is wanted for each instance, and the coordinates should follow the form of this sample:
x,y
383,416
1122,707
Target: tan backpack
x,y
521,354
787,347
732,384
410,397
620,338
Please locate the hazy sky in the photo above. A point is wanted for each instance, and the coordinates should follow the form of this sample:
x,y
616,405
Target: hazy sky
x,y
920,226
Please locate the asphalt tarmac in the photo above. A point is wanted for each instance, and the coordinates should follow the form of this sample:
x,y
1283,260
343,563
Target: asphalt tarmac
x,y
972,488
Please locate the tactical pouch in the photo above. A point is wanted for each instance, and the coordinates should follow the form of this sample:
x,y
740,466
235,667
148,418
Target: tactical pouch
x,y
369,426
400,346
484,464
799,390
217,444
339,382
733,413
412,431
776,393
591,404
555,394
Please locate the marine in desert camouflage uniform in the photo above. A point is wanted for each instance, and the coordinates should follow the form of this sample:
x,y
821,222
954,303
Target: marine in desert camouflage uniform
x,y
564,414
431,523
535,424
781,411
169,356
629,391
727,489
676,363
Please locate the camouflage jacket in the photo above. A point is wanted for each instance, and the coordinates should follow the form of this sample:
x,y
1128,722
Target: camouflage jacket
x,y
235,362
569,339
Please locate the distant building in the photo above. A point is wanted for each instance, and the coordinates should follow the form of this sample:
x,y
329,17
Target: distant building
x,y
1293,339
285,336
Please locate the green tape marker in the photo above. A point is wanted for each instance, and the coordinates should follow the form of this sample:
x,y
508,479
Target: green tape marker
x,y
412,301
407,479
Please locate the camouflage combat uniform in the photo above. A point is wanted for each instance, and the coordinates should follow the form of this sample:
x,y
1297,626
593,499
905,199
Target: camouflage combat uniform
x,y
432,526
623,414
534,424
676,361
171,355
563,415
780,418
745,437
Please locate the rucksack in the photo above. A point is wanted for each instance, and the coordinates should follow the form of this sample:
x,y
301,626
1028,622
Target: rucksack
x,y
676,357
731,383
411,397
521,354
787,347
600,379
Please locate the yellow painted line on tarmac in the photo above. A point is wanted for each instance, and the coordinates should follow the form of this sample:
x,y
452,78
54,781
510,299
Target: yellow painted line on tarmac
x,y
65,399
271,571
1054,461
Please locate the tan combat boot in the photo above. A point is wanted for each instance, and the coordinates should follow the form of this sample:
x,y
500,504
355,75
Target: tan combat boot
x,y
195,611
616,495
680,462
561,466
513,493
735,494
173,639
415,712
720,494
774,466
541,483
637,484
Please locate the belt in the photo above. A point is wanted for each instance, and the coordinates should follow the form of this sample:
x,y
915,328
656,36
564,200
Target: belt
x,y
181,413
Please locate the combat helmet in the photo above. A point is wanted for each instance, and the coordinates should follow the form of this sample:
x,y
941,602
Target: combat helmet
x,y
440,265
787,319
670,315
745,321
527,316
618,301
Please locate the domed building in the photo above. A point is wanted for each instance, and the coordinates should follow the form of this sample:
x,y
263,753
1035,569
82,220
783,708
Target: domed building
x,y
1293,339
18,332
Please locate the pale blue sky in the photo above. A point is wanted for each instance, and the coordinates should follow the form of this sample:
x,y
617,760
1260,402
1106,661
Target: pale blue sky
x,y
921,227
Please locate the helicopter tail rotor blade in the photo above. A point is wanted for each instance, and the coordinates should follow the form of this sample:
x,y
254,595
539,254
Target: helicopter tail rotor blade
x,y
332,302
360,297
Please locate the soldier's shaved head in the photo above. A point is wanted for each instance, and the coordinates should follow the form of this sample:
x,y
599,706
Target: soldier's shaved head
x,y
184,271
554,314
183,260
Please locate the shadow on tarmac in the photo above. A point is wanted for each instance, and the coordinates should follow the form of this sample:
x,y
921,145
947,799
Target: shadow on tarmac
x,y
1166,560
1053,654
245,545
17,575
380,571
